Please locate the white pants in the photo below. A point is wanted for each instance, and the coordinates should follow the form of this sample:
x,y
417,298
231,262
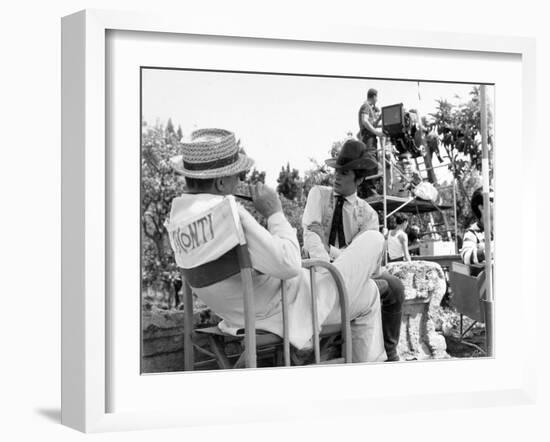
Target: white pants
x,y
357,263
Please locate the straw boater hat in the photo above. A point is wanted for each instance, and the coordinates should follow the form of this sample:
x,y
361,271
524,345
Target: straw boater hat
x,y
353,156
211,153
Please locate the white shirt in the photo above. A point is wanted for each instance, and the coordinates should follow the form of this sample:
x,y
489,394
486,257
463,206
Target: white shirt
x,y
357,216
395,244
473,237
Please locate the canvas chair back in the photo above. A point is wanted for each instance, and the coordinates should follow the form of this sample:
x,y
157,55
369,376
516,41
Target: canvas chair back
x,y
206,236
209,247
468,290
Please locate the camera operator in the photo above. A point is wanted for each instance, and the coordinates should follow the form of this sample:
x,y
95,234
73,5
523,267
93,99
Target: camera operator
x,y
369,118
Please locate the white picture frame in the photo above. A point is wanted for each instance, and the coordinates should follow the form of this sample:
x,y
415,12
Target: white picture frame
x,y
86,314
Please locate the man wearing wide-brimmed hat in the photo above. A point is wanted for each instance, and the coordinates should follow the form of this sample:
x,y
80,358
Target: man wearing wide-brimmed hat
x,y
335,219
211,163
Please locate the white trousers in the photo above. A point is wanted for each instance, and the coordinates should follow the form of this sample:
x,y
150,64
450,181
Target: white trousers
x,y
357,263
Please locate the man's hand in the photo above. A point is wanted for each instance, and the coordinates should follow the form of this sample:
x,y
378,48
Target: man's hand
x,y
266,201
318,229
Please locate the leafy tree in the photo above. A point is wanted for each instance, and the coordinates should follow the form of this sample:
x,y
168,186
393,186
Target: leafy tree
x,y
170,128
255,176
321,174
289,183
159,186
470,183
179,133
318,175
459,132
294,210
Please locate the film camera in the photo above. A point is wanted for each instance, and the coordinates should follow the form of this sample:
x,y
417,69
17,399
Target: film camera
x,y
403,129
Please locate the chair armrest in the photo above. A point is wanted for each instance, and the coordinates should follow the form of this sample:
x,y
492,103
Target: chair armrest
x,y
342,298
336,275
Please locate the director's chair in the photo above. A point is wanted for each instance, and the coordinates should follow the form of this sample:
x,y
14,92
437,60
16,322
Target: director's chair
x,y
212,261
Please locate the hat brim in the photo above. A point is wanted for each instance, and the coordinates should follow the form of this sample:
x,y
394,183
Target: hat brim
x,y
364,163
243,164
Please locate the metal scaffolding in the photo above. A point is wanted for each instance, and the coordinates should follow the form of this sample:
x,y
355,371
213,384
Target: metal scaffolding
x,y
412,204
391,204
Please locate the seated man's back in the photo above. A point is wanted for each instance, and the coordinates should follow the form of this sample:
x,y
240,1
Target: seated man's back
x,y
275,256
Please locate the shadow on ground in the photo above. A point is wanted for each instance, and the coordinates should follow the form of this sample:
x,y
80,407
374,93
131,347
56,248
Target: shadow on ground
x,y
51,414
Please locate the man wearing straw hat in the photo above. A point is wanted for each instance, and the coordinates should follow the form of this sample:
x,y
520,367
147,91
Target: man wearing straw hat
x,y
211,164
335,218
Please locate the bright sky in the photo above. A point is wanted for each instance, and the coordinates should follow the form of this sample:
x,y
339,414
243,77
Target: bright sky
x,y
278,118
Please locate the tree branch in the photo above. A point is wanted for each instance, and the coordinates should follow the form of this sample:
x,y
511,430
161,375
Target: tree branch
x,y
147,234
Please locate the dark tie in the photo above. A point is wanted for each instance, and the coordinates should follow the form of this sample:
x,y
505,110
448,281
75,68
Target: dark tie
x,y
337,227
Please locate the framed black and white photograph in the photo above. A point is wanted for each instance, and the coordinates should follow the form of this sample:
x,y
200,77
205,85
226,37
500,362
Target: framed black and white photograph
x,y
290,133
273,210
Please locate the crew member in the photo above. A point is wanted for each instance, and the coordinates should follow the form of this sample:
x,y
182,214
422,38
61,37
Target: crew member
x,y
398,242
473,245
369,118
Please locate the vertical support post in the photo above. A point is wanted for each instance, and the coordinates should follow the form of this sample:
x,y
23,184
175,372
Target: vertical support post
x,y
189,356
315,317
384,197
249,310
488,301
286,332
455,215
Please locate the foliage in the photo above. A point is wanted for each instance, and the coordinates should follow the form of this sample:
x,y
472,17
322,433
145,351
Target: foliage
x,y
318,175
170,128
255,176
470,183
289,183
159,186
294,210
321,174
459,132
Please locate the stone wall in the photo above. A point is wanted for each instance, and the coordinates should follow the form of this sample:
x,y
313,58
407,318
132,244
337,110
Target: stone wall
x,y
425,285
162,339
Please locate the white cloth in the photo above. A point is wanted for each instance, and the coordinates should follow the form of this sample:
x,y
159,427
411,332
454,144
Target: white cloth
x,y
275,255
206,236
357,216
395,244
